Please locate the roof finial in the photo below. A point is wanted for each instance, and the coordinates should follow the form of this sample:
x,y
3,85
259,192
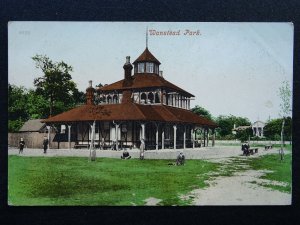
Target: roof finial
x,y
147,37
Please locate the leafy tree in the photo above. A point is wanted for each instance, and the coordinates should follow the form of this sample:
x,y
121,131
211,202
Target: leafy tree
x,y
56,84
17,113
243,135
285,109
78,97
202,112
37,105
272,129
226,124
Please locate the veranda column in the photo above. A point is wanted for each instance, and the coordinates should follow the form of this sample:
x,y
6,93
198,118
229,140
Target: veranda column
x,y
156,137
193,137
204,137
213,137
143,131
163,137
117,134
69,136
49,129
184,136
207,136
175,133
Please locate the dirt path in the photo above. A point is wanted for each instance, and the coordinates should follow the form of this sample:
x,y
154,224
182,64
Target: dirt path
x,y
238,190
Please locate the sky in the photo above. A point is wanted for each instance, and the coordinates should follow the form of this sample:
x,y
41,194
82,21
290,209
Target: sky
x,y
231,68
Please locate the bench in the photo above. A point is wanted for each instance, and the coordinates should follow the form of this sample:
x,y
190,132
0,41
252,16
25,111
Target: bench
x,y
250,151
76,146
268,147
253,150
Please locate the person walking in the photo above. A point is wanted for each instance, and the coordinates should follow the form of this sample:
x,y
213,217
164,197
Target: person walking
x,y
45,144
21,145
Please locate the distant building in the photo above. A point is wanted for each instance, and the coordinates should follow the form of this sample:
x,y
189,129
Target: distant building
x,y
258,128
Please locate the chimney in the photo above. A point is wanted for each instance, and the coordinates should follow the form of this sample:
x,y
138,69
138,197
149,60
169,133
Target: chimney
x,y
161,73
127,69
90,94
127,96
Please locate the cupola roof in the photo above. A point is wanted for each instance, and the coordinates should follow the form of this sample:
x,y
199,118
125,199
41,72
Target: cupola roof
x,y
146,56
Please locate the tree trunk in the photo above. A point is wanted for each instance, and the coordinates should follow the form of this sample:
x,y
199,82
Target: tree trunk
x,y
51,105
282,139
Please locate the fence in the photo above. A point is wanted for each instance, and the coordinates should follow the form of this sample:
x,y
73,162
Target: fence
x,y
34,140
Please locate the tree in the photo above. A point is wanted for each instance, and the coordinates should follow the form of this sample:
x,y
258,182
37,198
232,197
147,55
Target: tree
x,y
202,112
226,124
272,129
24,104
285,109
17,113
56,84
243,135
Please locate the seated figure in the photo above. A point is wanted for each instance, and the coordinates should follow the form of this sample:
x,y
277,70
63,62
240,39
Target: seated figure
x,y
125,155
245,148
180,159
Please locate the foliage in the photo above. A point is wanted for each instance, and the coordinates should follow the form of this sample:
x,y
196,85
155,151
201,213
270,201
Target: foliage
x,y
202,112
56,84
25,104
272,129
285,95
226,124
243,135
75,181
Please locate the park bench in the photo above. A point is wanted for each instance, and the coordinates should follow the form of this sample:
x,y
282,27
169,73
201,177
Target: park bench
x,y
268,147
253,150
76,146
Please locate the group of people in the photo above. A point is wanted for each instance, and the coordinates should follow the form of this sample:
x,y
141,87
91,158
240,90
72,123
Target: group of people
x,y
22,145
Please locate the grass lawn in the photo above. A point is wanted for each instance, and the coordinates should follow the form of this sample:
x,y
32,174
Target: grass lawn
x,y
75,181
282,170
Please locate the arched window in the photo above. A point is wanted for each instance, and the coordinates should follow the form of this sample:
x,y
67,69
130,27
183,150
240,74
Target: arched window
x,y
109,100
150,97
115,99
143,98
157,98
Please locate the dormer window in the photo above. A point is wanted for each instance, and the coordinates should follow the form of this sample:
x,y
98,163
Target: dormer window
x,y
141,68
149,67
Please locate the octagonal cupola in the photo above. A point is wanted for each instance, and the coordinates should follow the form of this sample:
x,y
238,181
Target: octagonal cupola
x,y
146,63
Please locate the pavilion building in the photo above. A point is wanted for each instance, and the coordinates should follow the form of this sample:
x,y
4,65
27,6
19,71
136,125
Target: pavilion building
x,y
142,105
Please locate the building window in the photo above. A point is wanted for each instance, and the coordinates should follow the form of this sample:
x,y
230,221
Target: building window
x,y
150,98
156,69
115,99
108,100
141,68
149,67
157,98
143,98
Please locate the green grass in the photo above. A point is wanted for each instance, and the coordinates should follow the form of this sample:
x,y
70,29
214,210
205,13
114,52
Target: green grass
x,y
75,181
282,170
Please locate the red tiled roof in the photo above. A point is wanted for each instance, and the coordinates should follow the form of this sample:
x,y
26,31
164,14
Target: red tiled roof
x,y
146,56
130,111
143,81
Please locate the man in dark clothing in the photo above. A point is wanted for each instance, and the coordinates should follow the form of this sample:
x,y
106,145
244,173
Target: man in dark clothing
x,y
45,144
180,159
245,149
21,144
125,155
